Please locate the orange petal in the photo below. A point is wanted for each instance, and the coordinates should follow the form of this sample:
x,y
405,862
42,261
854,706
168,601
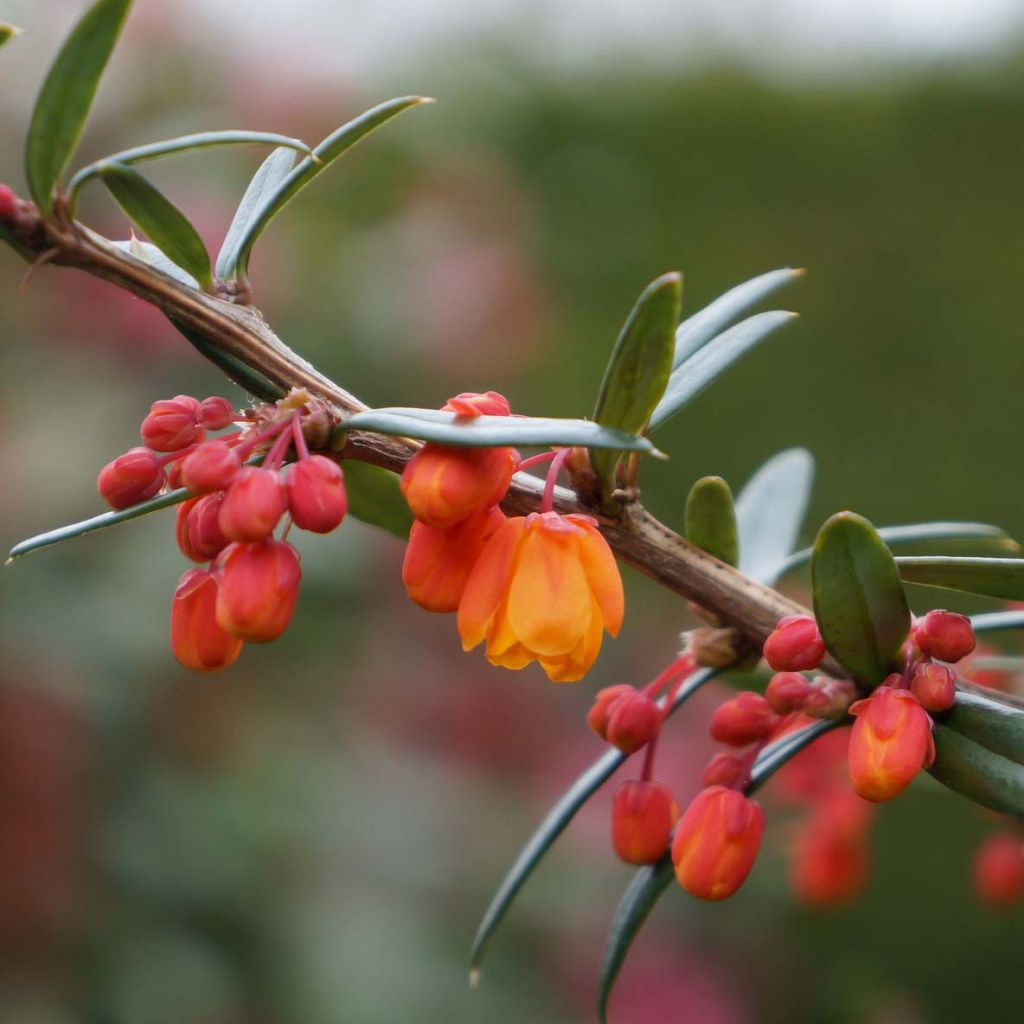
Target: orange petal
x,y
570,668
488,582
549,600
602,575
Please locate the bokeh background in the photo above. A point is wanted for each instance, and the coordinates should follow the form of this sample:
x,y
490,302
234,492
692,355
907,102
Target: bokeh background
x,y
311,836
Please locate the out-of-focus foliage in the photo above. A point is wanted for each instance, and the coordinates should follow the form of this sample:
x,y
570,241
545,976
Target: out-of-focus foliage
x,y
311,836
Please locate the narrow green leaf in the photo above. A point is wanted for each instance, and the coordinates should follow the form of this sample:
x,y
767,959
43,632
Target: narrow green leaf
x,y
691,377
66,96
242,374
980,536
991,622
184,144
993,577
978,773
770,511
487,431
555,823
325,154
267,179
168,228
711,519
638,371
697,330
651,881
151,255
8,32
995,725
859,602
375,498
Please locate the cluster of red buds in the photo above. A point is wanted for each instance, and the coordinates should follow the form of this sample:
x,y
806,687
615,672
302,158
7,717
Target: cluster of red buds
x,y
542,587
249,585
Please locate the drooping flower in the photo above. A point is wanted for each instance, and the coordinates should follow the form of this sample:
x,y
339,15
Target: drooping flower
x,y
890,743
545,588
258,586
197,640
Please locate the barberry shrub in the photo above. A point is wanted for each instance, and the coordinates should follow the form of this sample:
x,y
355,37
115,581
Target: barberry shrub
x,y
859,690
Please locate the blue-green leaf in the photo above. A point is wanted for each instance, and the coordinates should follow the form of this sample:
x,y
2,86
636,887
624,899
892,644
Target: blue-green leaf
x,y
697,330
375,497
993,723
770,511
651,881
978,773
991,622
237,261
487,431
639,368
265,182
555,823
690,378
711,519
66,96
859,602
154,257
167,227
185,144
993,577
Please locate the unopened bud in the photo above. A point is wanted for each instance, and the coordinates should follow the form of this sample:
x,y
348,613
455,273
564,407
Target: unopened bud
x,y
316,494
198,531
172,424
745,719
258,587
597,716
472,403
253,504
643,816
724,770
787,692
198,642
130,478
216,413
633,721
945,635
795,645
934,686
211,467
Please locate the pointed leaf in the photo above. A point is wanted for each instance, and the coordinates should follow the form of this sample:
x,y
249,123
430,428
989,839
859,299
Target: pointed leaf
x,y
690,378
168,228
487,431
151,255
859,602
981,537
990,722
991,622
993,577
242,374
375,498
651,881
977,773
711,519
770,511
325,154
185,144
267,179
66,96
697,330
639,368
555,823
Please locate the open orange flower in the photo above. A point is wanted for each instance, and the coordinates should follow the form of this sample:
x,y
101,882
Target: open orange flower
x,y
545,588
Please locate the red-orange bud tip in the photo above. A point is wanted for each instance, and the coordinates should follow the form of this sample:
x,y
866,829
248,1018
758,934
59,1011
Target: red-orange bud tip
x,y
472,403
795,645
744,719
197,640
934,686
211,467
216,413
172,424
787,692
643,816
198,529
253,504
316,494
597,716
947,636
130,478
259,583
633,721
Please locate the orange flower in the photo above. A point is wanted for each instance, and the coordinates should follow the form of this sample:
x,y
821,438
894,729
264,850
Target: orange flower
x,y
716,843
890,743
438,562
545,588
197,640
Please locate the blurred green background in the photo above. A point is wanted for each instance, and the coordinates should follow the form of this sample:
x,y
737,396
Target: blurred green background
x,y
311,836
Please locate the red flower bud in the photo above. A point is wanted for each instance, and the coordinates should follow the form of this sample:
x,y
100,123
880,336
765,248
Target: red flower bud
x,y
216,413
8,204
999,870
745,719
197,641
445,485
716,843
890,743
787,692
258,586
944,635
633,721
130,478
172,424
724,770
316,494
643,816
253,504
437,563
795,646
934,686
211,467
198,530
472,403
597,716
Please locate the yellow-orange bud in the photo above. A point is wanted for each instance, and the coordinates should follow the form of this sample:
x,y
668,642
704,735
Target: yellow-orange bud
x,y
717,842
